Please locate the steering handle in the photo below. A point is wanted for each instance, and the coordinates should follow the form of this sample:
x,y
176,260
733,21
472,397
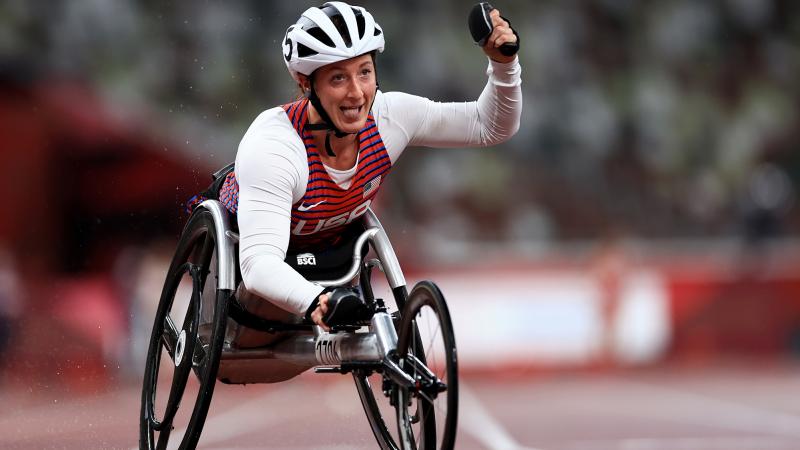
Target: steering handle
x,y
480,27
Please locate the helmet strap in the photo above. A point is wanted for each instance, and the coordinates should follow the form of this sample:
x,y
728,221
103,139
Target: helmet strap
x,y
327,123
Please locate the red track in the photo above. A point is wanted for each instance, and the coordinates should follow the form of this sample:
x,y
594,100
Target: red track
x,y
737,408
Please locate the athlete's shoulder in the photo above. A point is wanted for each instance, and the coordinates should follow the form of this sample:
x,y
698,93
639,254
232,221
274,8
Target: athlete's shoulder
x,y
273,120
271,135
272,126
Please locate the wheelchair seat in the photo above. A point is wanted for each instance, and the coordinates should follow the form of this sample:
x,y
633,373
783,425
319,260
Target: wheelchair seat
x,y
331,263
255,322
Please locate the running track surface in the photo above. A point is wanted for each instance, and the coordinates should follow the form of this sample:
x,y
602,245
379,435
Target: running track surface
x,y
742,407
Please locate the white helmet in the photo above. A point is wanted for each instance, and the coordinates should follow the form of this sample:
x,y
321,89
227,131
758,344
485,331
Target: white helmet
x,y
333,32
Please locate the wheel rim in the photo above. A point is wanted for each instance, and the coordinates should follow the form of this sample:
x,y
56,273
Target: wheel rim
x,y
376,407
429,417
174,403
179,346
169,382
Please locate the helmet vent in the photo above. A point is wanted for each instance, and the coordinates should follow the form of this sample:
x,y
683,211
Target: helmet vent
x,y
359,23
341,27
303,51
320,35
377,31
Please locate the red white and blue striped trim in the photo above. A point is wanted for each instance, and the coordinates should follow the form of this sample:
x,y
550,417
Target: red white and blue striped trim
x,y
326,208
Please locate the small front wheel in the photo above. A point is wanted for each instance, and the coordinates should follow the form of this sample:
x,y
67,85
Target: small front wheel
x,y
427,413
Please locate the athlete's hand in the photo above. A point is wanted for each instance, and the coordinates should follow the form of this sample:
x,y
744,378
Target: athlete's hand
x,y
320,311
501,34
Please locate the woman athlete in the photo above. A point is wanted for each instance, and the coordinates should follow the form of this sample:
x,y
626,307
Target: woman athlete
x,y
306,170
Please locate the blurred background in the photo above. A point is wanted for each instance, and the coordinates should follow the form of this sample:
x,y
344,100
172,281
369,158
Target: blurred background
x,y
645,214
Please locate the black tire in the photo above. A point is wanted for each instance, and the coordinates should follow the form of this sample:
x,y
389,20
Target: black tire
x,y
194,267
427,423
371,399
427,419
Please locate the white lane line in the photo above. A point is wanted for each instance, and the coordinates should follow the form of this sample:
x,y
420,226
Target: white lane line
x,y
474,419
302,447
246,417
686,443
688,407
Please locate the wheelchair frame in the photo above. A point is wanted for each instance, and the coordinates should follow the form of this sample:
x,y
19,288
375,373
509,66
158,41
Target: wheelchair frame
x,y
318,348
306,346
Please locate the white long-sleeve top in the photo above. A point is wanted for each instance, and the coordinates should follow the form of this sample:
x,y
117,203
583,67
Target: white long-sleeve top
x,y
272,170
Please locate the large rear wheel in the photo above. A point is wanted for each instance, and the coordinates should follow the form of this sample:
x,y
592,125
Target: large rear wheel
x,y
187,337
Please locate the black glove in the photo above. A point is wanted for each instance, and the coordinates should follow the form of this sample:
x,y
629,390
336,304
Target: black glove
x,y
345,307
314,304
480,26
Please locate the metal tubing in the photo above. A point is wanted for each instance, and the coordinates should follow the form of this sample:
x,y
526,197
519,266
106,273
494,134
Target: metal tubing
x,y
170,335
386,336
297,349
374,233
385,251
320,348
356,266
336,348
393,371
305,349
226,278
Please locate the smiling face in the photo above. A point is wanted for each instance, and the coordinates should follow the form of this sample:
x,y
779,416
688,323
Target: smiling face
x,y
346,90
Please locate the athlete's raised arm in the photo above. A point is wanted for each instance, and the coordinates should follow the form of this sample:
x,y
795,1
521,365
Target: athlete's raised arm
x,y
492,119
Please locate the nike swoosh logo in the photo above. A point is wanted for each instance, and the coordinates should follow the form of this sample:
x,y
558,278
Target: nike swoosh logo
x,y
303,207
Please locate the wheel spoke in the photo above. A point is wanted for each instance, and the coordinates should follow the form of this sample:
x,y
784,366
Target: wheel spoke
x,y
440,408
414,347
200,353
169,336
426,397
428,351
163,437
404,420
176,390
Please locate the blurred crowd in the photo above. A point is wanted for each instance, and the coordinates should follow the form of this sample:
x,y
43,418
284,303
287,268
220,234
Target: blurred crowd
x,y
670,118
660,119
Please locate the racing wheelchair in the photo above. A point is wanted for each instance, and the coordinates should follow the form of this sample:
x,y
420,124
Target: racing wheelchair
x,y
402,359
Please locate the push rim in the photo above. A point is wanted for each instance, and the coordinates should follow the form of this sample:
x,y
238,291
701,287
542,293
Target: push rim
x,y
194,264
